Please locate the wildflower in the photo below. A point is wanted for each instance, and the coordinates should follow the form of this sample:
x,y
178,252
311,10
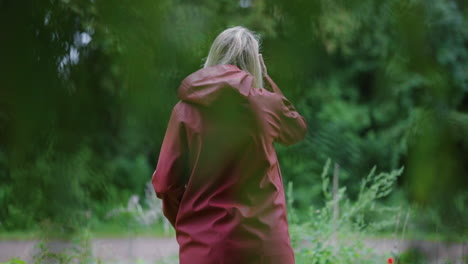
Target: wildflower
x,y
390,260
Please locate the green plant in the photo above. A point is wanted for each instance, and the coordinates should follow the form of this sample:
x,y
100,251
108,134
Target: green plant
x,y
327,236
78,252
137,215
412,256
14,261
169,260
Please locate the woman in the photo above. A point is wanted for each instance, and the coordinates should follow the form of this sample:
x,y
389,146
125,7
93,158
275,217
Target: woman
x,y
218,173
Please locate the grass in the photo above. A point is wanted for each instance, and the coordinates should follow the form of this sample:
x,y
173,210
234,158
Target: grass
x,y
427,236
110,230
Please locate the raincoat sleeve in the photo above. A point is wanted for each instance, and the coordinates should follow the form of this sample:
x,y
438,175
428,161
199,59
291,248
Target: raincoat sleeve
x,y
292,126
167,179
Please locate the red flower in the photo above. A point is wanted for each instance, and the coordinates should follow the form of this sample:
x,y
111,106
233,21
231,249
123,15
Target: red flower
x,y
390,260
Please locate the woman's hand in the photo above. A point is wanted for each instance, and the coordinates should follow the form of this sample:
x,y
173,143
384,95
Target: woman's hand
x,y
268,82
262,65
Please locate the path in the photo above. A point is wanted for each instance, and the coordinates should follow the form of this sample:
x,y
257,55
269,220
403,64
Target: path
x,y
110,250
148,250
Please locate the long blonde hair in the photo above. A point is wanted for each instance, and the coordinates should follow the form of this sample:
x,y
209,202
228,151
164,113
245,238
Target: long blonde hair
x,y
240,47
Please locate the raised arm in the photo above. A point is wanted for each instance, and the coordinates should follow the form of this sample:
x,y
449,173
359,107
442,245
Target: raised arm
x,y
292,126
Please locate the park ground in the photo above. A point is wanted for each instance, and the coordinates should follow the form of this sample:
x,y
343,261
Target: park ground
x,y
127,250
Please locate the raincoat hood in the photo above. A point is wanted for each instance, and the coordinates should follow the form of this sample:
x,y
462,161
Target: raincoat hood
x,y
204,86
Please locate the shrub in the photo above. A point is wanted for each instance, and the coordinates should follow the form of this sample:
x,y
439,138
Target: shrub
x,y
325,236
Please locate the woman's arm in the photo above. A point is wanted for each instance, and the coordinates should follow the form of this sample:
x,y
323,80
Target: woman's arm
x,y
167,179
292,125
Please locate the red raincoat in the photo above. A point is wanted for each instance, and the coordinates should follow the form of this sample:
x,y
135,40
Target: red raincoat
x,y
218,173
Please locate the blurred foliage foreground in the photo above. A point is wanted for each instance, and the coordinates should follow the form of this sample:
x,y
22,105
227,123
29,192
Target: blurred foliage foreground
x,y
86,88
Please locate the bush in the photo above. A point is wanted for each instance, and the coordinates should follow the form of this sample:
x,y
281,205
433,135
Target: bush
x,y
326,236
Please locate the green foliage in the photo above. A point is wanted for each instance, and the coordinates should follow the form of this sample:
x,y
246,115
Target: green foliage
x,y
327,237
58,194
14,261
169,260
76,250
137,215
379,82
79,252
373,66
413,257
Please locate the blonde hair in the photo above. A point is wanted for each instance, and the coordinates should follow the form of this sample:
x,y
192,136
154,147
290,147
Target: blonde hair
x,y
240,47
